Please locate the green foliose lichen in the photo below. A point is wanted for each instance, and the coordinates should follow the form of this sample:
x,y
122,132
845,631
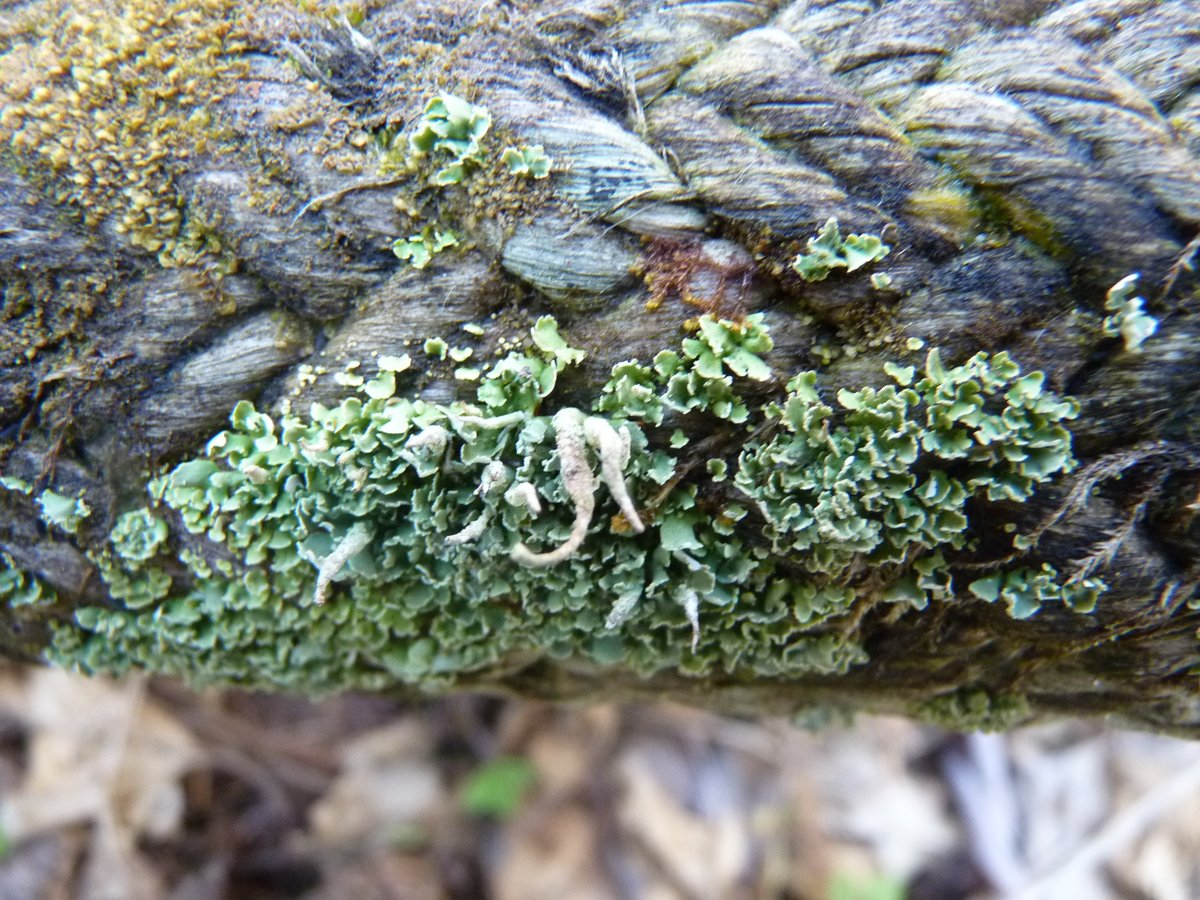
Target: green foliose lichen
x,y
63,512
887,481
447,147
529,161
450,129
1026,590
829,250
418,250
18,589
388,539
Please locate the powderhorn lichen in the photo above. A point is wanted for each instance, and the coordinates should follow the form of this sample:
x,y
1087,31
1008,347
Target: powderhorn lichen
x,y
390,539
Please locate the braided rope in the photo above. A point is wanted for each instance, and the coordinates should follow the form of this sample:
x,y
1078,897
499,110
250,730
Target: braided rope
x,y
1066,133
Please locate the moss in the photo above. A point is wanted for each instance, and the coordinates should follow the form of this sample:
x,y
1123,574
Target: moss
x,y
974,709
704,273
41,312
107,103
947,205
389,539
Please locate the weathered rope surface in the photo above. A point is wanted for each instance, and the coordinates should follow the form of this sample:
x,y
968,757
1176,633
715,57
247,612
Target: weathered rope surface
x,y
1020,157
1069,132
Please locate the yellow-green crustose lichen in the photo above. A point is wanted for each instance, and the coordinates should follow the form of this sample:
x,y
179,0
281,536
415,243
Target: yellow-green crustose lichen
x,y
389,539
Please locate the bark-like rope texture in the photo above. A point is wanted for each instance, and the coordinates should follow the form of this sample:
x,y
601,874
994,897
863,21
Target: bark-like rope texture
x,y
164,257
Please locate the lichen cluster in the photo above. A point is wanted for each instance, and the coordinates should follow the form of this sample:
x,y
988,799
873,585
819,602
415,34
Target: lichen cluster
x,y
390,539
450,130
418,250
450,133
58,510
445,147
1025,590
829,250
972,708
18,589
887,482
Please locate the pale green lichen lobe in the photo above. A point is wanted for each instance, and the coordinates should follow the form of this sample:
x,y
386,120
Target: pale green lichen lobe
x,y
61,511
829,250
1127,317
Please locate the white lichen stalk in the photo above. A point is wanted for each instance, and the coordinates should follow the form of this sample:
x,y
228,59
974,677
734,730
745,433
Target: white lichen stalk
x,y
579,483
353,543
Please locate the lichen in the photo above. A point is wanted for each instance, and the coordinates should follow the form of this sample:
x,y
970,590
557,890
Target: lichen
x,y
450,128
829,250
63,512
18,589
16,485
1026,590
418,250
446,158
389,539
530,161
1127,317
888,481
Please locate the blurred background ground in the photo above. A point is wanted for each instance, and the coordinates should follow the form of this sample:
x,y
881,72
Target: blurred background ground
x,y
143,790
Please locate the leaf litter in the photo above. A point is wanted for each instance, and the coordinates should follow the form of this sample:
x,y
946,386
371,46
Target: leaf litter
x,y
142,790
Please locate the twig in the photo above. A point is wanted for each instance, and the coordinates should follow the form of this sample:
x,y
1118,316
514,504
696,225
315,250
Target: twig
x,y
1184,261
377,184
1107,468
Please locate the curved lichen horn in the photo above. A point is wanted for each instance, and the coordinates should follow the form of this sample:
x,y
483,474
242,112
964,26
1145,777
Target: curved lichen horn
x,y
612,446
579,482
354,541
574,433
